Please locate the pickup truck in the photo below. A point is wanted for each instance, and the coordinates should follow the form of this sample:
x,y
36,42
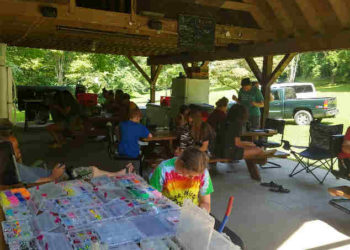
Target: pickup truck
x,y
286,106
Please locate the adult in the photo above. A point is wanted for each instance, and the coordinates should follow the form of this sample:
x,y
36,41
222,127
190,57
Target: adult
x,y
252,98
65,112
219,114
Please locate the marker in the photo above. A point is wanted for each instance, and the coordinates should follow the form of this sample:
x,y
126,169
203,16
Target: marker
x,y
227,214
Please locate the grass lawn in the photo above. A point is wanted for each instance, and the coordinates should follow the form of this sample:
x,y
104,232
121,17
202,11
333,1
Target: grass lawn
x,y
297,135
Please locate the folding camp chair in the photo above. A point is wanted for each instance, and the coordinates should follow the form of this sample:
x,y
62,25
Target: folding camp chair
x,y
319,152
279,126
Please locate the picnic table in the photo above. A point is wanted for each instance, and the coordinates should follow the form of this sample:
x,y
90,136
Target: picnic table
x,y
162,136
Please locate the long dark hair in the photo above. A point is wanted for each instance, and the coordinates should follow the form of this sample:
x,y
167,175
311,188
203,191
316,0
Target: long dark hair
x,y
237,113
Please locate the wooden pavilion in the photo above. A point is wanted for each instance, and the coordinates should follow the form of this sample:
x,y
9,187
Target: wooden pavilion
x,y
181,31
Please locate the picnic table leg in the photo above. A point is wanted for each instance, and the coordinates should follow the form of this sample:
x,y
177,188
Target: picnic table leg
x,y
253,170
171,146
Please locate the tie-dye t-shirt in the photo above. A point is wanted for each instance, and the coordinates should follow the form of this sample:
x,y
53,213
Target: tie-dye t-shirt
x,y
178,187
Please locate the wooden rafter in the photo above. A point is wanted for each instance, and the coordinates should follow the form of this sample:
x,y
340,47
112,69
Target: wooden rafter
x,y
326,14
282,15
295,14
340,40
254,67
230,5
266,11
341,8
311,15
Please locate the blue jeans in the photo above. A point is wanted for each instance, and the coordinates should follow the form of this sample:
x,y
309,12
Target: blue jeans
x,y
31,174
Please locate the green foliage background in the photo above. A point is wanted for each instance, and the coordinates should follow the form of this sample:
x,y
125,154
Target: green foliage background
x,y
96,71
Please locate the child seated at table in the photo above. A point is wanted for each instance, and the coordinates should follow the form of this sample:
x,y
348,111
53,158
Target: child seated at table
x,y
218,116
185,177
29,174
228,142
197,132
131,132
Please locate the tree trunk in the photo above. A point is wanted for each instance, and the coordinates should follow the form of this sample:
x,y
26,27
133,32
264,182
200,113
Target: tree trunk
x,y
294,68
60,68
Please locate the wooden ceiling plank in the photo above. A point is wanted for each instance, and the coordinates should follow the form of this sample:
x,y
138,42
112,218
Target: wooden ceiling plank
x,y
261,19
342,10
339,40
265,9
311,15
282,15
294,12
326,14
230,5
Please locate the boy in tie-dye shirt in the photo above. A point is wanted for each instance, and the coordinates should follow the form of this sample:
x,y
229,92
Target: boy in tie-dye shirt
x,y
185,177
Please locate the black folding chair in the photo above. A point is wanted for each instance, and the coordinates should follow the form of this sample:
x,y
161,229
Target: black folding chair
x,y
319,152
113,140
279,126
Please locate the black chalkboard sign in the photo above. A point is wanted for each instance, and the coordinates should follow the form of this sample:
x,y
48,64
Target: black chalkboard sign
x,y
196,33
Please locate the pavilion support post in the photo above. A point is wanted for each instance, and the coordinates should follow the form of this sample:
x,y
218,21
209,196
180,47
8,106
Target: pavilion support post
x,y
155,71
268,76
265,87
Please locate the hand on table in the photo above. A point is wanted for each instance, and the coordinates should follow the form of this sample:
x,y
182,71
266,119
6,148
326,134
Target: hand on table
x,y
58,171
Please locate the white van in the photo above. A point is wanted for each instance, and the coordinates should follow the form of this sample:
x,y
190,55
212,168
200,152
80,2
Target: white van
x,y
302,89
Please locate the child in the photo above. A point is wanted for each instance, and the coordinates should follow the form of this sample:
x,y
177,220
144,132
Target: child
x,y
185,177
228,142
219,114
131,131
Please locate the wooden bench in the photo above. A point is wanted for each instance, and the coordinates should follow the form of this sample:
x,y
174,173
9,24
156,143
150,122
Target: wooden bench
x,y
344,193
252,163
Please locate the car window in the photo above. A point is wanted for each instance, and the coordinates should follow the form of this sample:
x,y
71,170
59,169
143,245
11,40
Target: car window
x,y
290,94
303,89
276,95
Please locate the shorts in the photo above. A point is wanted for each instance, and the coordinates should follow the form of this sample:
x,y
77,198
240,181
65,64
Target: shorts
x,y
254,122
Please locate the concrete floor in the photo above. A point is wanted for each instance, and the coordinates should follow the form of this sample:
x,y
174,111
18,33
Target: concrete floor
x,y
263,219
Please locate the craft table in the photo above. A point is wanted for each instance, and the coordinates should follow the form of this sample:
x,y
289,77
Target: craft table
x,y
234,237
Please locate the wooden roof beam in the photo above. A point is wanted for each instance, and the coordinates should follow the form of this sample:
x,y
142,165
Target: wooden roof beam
x,y
339,40
265,17
117,22
341,8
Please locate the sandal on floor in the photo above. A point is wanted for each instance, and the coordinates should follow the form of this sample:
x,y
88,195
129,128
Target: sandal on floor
x,y
279,189
270,184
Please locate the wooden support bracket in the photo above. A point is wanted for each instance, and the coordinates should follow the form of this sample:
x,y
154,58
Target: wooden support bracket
x,y
155,72
132,60
254,67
